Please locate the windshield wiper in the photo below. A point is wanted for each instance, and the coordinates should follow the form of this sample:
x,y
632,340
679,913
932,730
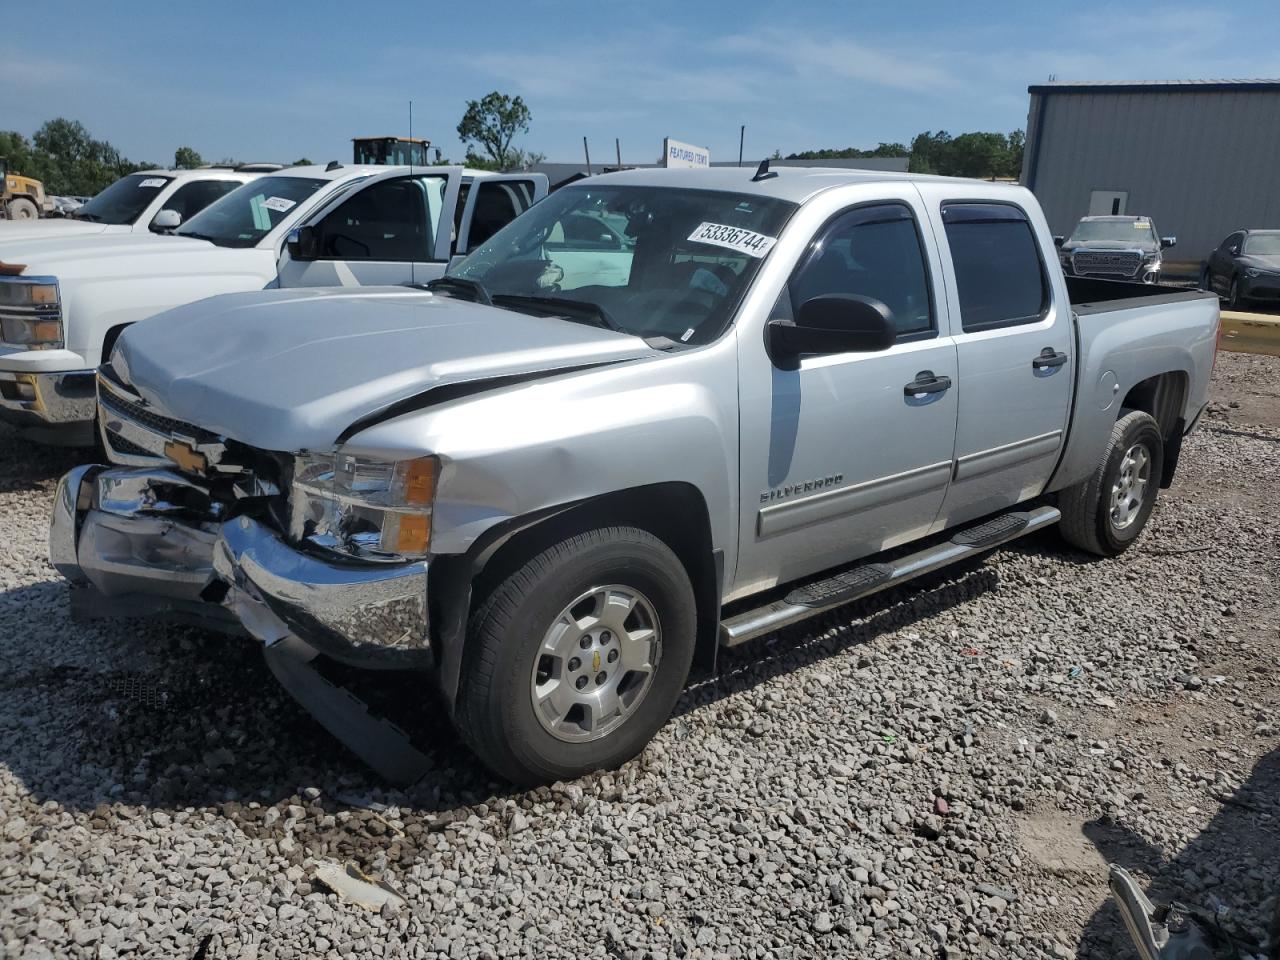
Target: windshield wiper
x,y
198,236
576,310
474,287
91,217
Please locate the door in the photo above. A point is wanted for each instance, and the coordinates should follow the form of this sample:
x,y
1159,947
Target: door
x,y
387,232
1222,263
1015,347
1104,203
846,454
490,203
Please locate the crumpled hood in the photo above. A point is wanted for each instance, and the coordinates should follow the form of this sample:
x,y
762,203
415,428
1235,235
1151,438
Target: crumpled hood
x,y
290,370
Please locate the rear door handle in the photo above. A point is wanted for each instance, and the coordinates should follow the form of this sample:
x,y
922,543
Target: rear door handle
x,y
1049,358
926,382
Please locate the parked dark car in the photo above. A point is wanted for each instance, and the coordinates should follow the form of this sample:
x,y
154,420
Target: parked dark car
x,y
1245,268
1114,248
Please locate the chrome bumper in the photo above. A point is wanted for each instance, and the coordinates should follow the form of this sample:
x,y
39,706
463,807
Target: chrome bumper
x,y
47,399
117,533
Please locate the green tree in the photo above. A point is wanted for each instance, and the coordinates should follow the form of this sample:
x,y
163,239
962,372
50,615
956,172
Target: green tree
x,y
185,158
73,162
301,162
492,124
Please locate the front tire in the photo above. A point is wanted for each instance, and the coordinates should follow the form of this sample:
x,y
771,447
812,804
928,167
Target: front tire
x,y
1107,512
22,209
1234,300
576,659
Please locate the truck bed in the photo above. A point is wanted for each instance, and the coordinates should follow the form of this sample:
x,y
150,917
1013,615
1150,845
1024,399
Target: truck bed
x,y
1092,295
1125,334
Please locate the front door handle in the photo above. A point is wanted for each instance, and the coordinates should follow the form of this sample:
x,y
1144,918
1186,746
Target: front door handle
x,y
926,382
1049,358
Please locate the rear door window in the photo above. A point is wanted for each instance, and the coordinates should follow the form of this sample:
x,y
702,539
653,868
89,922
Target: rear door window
x,y
1000,277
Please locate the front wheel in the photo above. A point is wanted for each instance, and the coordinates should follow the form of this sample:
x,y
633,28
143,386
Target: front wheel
x,y
1234,299
1107,512
576,659
22,209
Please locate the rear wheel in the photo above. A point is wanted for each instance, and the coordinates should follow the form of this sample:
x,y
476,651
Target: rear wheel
x,y
23,209
577,659
1107,512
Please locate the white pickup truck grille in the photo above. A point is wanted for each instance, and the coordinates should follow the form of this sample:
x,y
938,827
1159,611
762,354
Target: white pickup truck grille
x,y
1110,263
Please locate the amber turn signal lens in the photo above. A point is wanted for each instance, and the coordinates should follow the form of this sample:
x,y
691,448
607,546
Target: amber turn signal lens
x,y
414,533
420,481
44,294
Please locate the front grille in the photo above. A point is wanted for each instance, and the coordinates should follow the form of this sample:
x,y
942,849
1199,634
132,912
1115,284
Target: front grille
x,y
1119,263
151,420
128,447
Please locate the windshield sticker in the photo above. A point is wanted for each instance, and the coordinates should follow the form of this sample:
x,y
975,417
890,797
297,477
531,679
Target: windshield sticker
x,y
733,238
153,182
279,204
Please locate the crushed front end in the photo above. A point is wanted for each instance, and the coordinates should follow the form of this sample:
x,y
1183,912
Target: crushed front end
x,y
194,525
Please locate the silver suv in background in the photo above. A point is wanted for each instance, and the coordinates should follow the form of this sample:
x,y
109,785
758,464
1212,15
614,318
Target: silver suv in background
x,y
1114,248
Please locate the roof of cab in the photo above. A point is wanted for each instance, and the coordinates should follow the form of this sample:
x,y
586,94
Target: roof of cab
x,y
345,170
796,184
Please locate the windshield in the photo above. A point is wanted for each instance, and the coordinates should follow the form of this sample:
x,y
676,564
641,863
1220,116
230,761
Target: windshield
x,y
650,261
1262,244
124,200
1120,231
247,214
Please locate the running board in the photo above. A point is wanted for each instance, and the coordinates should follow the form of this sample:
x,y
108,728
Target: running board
x,y
815,598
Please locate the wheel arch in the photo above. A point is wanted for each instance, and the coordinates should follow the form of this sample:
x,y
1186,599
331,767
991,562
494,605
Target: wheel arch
x,y
675,512
1162,396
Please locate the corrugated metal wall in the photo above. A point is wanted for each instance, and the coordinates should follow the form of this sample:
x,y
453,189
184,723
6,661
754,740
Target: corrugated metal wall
x,y
1200,164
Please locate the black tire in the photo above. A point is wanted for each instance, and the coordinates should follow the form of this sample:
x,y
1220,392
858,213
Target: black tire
x,y
23,209
495,712
1234,300
1087,517
1206,279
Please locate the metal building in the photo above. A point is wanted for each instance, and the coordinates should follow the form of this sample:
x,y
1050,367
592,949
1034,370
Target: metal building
x,y
1201,158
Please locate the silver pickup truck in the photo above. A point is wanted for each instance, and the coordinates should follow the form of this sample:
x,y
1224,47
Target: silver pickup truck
x,y
659,413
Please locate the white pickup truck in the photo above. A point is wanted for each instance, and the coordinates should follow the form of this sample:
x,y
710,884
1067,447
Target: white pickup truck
x,y
64,301
134,203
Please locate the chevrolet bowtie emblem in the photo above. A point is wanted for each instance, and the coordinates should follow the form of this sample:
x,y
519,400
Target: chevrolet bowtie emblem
x,y
595,660
192,461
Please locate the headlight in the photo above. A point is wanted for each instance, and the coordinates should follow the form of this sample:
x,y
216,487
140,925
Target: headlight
x,y
31,313
372,509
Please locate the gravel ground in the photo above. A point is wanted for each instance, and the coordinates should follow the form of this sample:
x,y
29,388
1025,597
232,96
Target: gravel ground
x,y
940,773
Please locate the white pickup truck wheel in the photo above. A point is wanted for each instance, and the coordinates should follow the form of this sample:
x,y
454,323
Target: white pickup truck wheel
x,y
1107,512
576,660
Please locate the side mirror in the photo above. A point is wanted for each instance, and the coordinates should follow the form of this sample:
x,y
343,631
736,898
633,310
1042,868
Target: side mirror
x,y
834,323
1059,241
166,220
303,244
1167,242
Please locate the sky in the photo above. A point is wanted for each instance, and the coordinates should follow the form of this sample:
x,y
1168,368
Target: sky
x,y
279,81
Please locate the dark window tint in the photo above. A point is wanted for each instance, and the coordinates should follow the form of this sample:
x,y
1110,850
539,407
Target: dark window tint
x,y
123,201
389,221
190,198
872,252
999,277
497,204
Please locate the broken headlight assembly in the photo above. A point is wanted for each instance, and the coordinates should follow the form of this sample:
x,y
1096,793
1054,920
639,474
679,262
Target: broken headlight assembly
x,y
362,507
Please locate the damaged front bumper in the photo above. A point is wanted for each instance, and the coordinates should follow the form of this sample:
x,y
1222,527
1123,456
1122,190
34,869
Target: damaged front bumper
x,y
125,539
